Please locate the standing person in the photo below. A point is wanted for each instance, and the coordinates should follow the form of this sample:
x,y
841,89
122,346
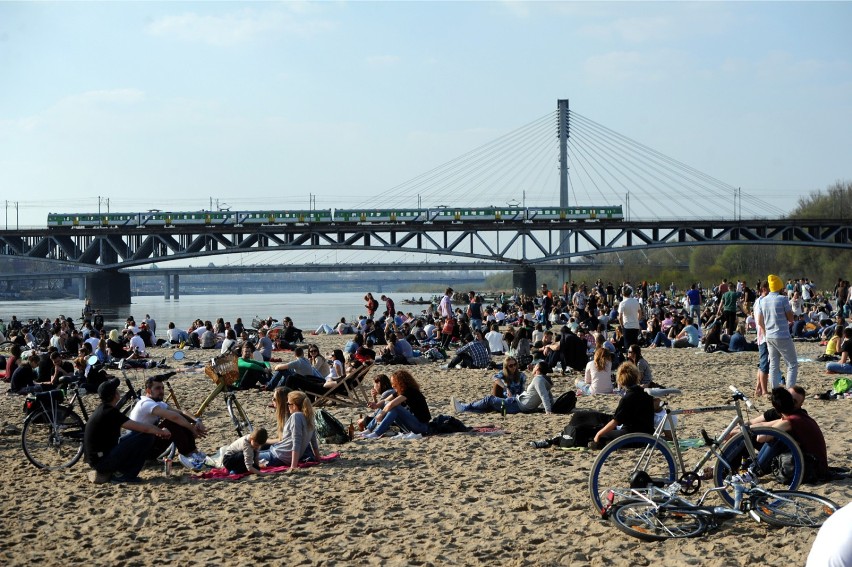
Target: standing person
x,y
390,308
474,311
629,314
693,297
762,386
371,305
445,307
773,317
109,458
728,310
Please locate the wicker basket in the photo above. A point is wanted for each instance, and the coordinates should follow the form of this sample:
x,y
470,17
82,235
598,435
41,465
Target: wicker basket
x,y
223,369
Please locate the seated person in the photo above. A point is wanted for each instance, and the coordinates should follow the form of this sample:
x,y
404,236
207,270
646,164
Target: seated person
x,y
291,373
472,355
252,371
407,409
24,378
634,355
689,336
801,329
113,457
536,395
738,342
296,431
318,361
184,428
381,392
598,374
496,344
800,426
510,381
844,365
635,411
243,455
208,338
176,336
832,345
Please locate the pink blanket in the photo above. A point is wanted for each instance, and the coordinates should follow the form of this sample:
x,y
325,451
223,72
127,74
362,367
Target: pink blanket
x,y
222,473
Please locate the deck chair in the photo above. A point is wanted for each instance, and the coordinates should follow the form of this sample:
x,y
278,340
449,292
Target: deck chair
x,y
350,391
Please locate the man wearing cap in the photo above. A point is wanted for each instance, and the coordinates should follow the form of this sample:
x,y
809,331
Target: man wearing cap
x,y
109,458
774,316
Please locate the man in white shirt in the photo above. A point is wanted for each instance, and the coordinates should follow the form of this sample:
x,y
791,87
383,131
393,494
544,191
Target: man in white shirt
x,y
151,409
445,308
137,345
629,314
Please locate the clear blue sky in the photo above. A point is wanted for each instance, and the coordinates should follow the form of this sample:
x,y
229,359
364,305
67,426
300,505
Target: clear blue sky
x,y
167,105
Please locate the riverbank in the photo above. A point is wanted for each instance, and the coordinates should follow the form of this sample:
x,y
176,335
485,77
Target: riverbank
x,y
460,499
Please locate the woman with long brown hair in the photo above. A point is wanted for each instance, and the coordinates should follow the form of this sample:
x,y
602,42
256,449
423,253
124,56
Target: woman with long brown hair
x,y
296,431
408,408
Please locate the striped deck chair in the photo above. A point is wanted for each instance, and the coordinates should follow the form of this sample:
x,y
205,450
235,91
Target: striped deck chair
x,y
350,391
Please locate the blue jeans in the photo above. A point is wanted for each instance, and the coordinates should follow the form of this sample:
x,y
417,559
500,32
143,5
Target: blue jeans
x,y
404,418
662,340
493,403
128,457
777,349
768,452
763,359
476,324
839,368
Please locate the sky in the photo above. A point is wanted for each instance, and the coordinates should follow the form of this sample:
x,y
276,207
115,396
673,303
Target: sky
x,y
175,105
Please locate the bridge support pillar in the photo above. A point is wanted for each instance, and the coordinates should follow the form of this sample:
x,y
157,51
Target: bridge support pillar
x,y
176,293
81,289
108,288
523,279
167,287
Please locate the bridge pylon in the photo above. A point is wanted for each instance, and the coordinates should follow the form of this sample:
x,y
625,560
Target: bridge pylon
x,y
107,288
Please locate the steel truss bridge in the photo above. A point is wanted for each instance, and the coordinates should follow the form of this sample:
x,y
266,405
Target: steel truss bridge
x,y
492,246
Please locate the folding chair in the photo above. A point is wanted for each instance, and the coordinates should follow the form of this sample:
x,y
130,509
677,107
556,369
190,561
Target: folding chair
x,y
350,391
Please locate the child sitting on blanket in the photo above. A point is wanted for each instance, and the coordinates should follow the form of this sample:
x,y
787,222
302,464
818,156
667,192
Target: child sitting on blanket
x,y
242,456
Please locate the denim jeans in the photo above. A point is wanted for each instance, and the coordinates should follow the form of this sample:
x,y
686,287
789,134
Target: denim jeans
x,y
662,340
777,349
128,457
839,368
493,403
402,417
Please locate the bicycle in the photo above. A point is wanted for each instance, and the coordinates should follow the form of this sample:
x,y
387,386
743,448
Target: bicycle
x,y
52,436
639,459
224,372
654,514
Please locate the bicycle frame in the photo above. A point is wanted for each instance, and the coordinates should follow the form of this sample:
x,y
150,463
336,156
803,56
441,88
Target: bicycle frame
x,y
736,422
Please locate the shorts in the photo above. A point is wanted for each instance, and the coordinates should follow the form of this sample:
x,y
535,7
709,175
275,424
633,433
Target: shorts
x,y
763,361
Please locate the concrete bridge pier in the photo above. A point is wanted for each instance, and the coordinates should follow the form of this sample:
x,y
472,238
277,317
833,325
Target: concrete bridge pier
x,y
108,288
523,279
81,289
167,287
176,293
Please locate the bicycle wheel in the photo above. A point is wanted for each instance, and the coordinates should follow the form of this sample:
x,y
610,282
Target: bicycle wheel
x,y
736,454
53,440
792,508
630,461
650,523
238,415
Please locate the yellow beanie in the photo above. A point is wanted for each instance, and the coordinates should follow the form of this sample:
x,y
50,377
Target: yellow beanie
x,y
775,283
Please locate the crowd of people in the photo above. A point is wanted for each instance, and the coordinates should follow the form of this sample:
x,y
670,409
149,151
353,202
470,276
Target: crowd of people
x,y
598,330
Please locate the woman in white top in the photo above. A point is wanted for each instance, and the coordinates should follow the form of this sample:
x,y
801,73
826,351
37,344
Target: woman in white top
x,y
598,377
337,368
230,342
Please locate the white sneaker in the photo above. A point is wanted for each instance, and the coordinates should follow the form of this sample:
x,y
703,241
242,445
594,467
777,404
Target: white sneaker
x,y
187,462
445,367
456,405
413,435
370,435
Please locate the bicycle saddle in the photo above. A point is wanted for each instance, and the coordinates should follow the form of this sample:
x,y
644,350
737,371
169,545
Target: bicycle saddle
x,y
662,392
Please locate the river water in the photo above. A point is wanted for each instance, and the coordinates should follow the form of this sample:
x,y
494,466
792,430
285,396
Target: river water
x,y
308,311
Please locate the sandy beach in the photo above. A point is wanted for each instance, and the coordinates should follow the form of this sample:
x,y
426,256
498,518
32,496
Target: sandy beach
x,y
461,499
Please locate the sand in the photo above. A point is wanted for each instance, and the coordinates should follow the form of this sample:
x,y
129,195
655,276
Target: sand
x,y
448,500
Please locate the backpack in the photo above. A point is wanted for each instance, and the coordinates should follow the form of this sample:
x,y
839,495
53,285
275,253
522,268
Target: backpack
x,y
446,424
329,428
565,403
582,428
842,385
782,468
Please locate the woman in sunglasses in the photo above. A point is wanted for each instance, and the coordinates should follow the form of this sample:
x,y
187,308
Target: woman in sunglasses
x,y
296,431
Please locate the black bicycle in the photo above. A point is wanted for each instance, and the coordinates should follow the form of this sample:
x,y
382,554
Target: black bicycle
x,y
52,437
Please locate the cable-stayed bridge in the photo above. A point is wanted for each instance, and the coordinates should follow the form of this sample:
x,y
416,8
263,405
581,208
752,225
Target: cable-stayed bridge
x,y
494,190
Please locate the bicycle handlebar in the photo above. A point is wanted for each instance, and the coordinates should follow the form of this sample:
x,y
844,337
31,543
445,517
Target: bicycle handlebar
x,y
740,396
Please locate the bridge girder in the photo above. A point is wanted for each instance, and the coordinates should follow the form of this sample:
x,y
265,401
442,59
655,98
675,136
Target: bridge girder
x,y
539,243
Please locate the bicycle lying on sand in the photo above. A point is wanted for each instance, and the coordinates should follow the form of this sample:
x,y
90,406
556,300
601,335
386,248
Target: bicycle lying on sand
x,y
653,514
52,436
639,460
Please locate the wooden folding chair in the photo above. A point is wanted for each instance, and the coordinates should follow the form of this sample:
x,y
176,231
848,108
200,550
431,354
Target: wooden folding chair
x,y
350,391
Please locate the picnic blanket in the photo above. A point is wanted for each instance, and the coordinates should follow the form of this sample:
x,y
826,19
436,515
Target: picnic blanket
x,y
222,473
